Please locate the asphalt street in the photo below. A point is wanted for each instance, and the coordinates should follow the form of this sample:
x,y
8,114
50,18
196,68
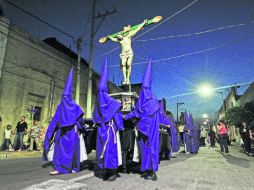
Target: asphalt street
x,y
206,170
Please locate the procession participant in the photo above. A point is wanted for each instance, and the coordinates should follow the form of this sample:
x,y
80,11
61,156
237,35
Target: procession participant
x,y
147,111
108,118
62,134
127,144
165,138
175,142
187,135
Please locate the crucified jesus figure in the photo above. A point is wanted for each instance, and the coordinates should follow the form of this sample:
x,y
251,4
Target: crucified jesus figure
x,y
127,53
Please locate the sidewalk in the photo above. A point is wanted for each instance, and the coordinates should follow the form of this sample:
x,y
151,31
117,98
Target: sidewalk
x,y
22,154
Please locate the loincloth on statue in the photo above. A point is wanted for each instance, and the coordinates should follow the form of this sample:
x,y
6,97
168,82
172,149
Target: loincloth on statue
x,y
126,54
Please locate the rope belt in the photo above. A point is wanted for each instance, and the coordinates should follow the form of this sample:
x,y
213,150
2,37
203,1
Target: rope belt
x,y
111,126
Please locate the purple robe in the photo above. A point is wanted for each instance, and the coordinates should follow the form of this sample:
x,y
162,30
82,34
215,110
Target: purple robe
x,y
106,143
108,119
191,138
174,137
63,131
147,111
195,139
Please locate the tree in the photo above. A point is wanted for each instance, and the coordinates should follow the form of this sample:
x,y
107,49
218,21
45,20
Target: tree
x,y
248,116
237,115
234,116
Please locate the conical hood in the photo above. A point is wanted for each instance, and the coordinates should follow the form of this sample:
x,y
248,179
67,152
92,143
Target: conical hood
x,y
105,107
103,85
187,120
147,79
68,85
161,107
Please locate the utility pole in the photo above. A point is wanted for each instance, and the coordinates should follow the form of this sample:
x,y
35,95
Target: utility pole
x,y
92,35
79,44
223,101
178,104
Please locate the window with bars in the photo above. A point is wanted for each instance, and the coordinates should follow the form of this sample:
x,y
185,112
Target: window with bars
x,y
35,106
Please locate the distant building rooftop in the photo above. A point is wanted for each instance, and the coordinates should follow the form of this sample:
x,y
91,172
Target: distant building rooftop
x,y
53,42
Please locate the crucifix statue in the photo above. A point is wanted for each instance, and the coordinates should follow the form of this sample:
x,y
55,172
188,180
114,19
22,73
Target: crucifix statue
x,y
124,38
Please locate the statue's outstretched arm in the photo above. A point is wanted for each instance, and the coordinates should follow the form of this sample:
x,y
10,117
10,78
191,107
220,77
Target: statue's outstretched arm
x,y
112,39
134,32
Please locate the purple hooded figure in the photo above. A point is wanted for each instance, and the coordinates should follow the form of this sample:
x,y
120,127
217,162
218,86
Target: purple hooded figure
x,y
175,142
194,136
108,118
63,133
147,112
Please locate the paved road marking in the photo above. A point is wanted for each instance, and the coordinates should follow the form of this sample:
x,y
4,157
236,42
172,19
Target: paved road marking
x,y
81,178
53,184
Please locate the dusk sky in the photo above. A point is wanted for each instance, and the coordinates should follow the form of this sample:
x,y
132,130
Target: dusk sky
x,y
215,45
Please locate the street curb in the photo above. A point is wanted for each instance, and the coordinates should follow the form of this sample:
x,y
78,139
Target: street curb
x,y
17,155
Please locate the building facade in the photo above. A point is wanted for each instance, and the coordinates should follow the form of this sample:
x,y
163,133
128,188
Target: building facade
x,y
229,102
33,74
247,96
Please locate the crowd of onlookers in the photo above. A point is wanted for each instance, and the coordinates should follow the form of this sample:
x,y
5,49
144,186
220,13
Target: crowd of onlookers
x,y
215,134
34,132
223,136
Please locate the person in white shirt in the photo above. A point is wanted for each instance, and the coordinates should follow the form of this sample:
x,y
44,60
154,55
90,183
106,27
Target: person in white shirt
x,y
7,145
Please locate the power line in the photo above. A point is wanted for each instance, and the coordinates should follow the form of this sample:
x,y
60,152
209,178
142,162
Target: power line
x,y
198,33
170,17
120,16
39,19
218,88
108,24
229,74
193,53
113,19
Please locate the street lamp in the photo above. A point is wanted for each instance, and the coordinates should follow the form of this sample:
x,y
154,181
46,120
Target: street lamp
x,y
178,104
205,90
205,115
